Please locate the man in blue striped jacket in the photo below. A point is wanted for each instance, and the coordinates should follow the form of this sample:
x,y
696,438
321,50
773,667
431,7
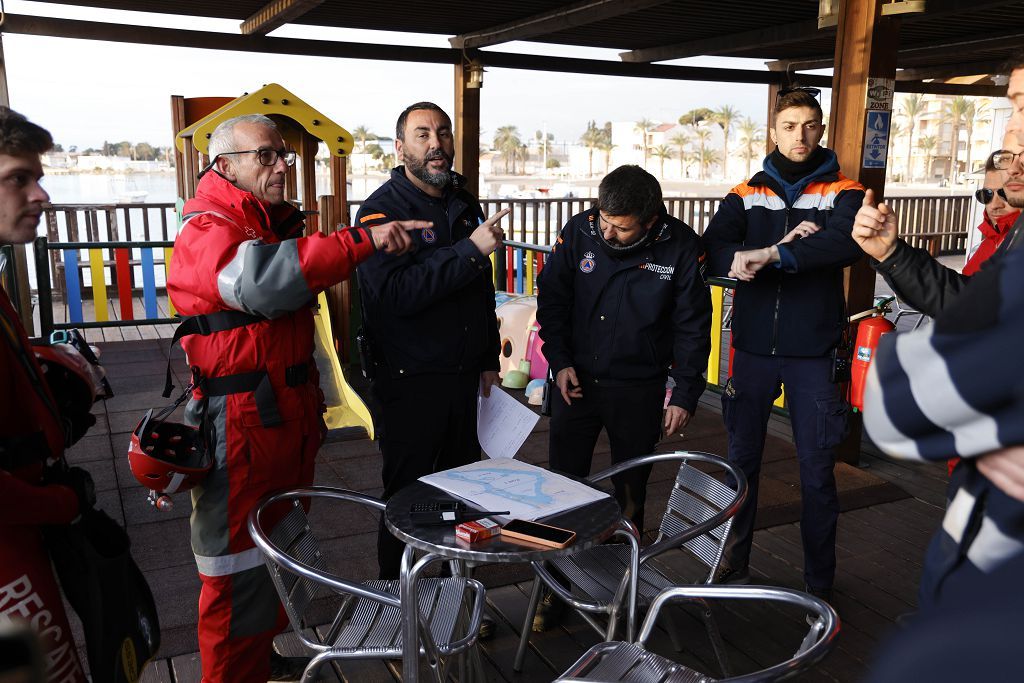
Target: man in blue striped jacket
x,y
956,388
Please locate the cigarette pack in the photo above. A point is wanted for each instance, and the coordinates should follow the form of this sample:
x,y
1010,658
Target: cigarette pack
x,y
478,530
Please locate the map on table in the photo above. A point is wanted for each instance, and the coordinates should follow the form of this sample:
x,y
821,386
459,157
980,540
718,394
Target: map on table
x,y
526,491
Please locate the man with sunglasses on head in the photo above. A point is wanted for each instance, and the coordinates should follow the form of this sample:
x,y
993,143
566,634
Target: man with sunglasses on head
x,y
622,307
784,234
242,264
999,215
954,388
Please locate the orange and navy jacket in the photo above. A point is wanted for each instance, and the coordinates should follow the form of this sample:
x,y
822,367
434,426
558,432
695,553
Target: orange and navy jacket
x,y
430,310
237,253
797,308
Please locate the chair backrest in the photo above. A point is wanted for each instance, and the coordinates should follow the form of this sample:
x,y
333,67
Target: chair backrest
x,y
293,537
696,497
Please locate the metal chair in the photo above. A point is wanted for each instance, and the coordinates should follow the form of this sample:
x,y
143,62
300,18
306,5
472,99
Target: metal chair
x,y
903,309
367,624
630,662
697,519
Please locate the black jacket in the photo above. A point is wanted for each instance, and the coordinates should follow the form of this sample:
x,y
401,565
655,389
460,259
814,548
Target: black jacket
x,y
430,310
797,309
924,283
623,321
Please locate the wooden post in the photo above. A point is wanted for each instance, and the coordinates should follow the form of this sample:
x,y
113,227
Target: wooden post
x,y
467,126
866,44
310,145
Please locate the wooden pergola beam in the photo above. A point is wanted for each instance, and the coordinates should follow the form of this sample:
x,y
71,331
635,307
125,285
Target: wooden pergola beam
x,y
150,35
920,73
560,19
275,14
716,45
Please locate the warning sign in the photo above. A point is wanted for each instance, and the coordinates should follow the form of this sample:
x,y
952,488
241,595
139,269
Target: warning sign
x,y
876,139
879,94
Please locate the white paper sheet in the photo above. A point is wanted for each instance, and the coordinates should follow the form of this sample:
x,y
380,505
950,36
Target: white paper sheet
x,y
502,423
525,490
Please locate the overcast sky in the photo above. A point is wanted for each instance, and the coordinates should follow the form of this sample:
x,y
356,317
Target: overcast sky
x,y
86,92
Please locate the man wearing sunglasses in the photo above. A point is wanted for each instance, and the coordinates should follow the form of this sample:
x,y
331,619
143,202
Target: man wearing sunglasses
x,y
784,234
954,388
999,215
242,264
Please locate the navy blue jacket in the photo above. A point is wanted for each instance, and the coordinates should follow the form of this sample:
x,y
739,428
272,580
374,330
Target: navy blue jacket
x,y
624,321
797,309
430,310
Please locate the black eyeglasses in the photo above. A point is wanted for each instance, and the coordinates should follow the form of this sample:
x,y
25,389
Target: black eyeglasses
x,y
1003,160
985,195
266,157
813,92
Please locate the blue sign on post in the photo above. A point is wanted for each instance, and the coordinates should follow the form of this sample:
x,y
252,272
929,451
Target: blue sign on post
x,y
876,138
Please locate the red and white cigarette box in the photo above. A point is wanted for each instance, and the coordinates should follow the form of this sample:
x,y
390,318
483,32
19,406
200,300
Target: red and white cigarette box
x,y
478,530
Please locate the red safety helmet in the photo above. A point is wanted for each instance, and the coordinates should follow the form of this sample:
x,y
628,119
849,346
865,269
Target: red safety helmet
x,y
168,457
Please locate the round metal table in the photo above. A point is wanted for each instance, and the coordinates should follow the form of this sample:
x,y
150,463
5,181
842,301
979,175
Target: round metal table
x,y
593,523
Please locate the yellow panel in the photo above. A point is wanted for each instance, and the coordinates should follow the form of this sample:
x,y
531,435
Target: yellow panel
x,y
167,271
780,402
715,357
270,100
344,406
529,272
494,269
99,284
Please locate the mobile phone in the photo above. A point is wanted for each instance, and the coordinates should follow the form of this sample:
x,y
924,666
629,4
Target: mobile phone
x,y
535,532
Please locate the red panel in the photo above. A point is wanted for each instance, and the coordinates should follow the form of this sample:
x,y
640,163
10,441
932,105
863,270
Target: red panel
x,y
124,284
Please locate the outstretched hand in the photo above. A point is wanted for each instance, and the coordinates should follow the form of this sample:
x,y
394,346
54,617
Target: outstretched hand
x,y
874,228
393,237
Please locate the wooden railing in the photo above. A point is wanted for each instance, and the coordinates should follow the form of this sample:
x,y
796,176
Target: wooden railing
x,y
939,224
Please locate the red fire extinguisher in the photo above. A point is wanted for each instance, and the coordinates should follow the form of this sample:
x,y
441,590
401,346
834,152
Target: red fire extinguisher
x,y
868,333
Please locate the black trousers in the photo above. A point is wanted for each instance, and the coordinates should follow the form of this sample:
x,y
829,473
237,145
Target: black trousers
x,y
428,424
632,416
818,415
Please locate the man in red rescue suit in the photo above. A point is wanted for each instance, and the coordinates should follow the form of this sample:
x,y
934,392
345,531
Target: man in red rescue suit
x,y
240,258
31,431
785,235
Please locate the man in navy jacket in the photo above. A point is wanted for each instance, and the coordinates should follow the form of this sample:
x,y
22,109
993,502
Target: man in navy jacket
x,y
785,236
428,314
620,300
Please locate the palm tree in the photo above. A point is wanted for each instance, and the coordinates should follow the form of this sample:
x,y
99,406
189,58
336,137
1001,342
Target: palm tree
x,y
662,152
927,144
725,116
703,135
507,142
644,126
895,131
591,139
708,157
679,141
912,107
975,111
523,154
751,136
606,146
955,113
361,135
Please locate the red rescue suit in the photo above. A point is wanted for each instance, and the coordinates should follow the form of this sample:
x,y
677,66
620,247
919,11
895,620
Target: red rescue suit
x,y
30,435
237,253
993,232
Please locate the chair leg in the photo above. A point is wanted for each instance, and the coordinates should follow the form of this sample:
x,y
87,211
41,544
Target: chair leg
x,y
715,636
313,668
524,637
